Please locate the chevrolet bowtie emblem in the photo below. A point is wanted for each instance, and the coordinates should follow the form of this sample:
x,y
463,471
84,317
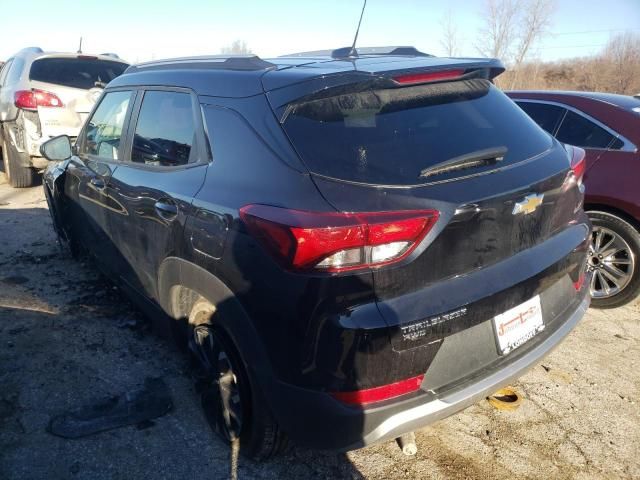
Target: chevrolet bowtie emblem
x,y
529,204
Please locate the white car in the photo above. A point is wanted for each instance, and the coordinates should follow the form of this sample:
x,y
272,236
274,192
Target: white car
x,y
43,95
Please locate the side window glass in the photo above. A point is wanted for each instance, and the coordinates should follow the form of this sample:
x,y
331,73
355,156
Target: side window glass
x,y
3,72
547,116
104,129
581,132
15,72
165,133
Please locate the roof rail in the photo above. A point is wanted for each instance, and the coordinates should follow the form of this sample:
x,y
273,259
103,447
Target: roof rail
x,y
223,62
346,52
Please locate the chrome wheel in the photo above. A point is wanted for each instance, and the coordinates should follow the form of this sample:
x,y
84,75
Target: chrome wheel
x,y
221,399
611,262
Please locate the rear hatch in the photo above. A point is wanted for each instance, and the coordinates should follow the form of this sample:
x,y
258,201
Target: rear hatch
x,y
77,82
457,144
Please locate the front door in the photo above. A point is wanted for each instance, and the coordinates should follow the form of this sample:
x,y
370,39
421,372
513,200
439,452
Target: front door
x,y
99,150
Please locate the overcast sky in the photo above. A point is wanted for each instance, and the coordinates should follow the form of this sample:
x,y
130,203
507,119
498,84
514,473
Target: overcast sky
x,y
140,30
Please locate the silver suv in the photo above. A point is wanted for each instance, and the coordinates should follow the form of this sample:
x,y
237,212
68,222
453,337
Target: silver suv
x,y
43,95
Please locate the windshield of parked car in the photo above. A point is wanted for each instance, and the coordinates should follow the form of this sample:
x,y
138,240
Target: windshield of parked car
x,y
82,73
389,136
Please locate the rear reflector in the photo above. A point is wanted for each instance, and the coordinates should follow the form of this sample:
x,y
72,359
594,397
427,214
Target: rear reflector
x,y
336,242
426,77
580,282
32,99
577,162
379,394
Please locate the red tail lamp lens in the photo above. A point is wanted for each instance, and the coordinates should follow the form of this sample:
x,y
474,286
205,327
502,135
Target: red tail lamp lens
x,y
333,241
578,162
32,99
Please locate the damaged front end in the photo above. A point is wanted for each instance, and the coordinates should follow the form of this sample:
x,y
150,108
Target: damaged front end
x,y
53,184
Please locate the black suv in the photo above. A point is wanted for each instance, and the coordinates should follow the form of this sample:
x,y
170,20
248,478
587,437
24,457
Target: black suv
x,y
352,247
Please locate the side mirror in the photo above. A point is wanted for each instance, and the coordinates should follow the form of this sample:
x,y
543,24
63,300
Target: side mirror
x,y
57,149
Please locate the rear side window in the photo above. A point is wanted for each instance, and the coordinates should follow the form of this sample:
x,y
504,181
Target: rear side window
x,y
389,136
104,129
581,132
15,72
3,71
547,116
76,72
165,133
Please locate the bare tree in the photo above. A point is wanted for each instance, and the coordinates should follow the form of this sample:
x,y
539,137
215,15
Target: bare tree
x,y
535,20
237,47
499,30
450,37
623,55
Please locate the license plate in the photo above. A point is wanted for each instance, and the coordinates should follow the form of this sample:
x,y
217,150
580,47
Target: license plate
x,y
518,325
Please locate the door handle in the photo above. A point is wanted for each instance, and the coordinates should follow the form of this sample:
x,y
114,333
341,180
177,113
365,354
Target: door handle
x,y
97,182
167,209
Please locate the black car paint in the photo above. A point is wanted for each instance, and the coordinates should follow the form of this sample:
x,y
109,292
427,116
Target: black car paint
x,y
305,334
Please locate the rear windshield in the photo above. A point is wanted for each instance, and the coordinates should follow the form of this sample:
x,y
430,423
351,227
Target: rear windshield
x,y
76,72
390,136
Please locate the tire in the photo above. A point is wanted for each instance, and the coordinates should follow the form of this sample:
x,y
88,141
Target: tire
x,y
619,235
232,403
18,175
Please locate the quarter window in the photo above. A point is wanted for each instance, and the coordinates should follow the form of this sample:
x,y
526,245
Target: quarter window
x,y
581,132
104,130
165,133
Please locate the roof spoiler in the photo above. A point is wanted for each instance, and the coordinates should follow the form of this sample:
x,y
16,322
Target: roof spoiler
x,y
406,51
348,52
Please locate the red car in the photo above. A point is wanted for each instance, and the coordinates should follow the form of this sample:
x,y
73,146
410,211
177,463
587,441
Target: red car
x,y
607,126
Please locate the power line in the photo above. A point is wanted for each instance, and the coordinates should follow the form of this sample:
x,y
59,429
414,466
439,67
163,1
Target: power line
x,y
575,46
597,31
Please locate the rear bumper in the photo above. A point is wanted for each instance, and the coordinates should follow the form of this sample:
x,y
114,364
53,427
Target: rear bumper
x,y
317,420
421,415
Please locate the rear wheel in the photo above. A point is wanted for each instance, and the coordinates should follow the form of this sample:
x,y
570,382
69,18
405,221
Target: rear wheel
x,y
234,409
18,175
614,254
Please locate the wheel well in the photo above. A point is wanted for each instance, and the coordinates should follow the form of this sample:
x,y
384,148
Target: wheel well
x,y
613,211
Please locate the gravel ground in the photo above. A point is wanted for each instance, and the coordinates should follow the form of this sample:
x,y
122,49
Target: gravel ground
x,y
68,338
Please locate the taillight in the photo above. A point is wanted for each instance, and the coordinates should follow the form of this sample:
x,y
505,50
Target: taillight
x,y
426,77
32,99
336,242
379,394
577,162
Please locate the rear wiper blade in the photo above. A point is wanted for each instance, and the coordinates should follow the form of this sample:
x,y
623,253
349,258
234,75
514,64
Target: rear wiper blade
x,y
488,156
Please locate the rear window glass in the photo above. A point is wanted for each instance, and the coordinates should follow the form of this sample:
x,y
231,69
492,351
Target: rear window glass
x,y
389,136
76,72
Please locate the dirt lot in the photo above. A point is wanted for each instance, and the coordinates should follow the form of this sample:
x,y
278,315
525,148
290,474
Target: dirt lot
x,y
68,338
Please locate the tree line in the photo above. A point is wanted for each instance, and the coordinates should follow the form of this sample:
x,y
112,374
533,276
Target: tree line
x,y
511,29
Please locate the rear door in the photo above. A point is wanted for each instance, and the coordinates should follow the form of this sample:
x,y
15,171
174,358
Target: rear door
x,y
165,166
78,82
